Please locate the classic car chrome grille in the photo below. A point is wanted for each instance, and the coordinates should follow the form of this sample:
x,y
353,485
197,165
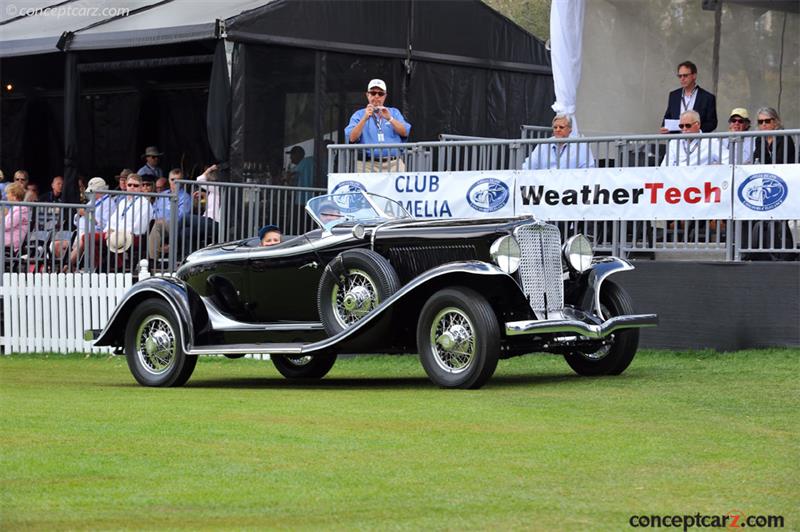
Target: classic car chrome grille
x,y
410,261
540,267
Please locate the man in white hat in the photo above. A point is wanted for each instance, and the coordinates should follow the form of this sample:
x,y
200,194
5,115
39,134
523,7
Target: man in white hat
x,y
378,124
738,122
151,157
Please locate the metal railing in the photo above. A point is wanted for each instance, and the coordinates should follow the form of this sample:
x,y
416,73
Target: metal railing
x,y
116,230
458,153
768,238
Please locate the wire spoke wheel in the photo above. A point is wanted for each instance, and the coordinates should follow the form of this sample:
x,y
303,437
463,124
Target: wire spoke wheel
x,y
618,350
452,340
458,337
155,345
353,297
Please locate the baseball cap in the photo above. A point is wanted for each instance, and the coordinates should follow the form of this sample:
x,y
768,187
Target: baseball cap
x,y
266,229
741,111
377,83
96,184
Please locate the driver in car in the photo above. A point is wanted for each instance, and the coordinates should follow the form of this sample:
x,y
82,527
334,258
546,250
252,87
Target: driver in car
x,y
329,214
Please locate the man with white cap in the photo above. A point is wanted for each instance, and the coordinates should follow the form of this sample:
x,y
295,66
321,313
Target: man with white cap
x,y
378,124
739,121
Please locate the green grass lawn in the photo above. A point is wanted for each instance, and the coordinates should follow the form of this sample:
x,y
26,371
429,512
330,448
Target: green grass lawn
x,y
375,446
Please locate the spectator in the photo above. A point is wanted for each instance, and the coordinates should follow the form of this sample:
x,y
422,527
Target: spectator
x,y
690,152
162,184
122,177
159,237
151,156
303,169
82,188
739,121
201,230
21,177
691,97
96,222
133,213
376,124
269,235
31,192
772,149
149,186
17,219
560,155
2,185
54,194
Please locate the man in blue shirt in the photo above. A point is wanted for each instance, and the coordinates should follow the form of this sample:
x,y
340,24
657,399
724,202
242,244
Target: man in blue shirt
x,y
377,124
159,232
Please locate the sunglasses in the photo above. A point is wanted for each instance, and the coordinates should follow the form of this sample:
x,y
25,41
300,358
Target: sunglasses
x,y
134,185
765,120
560,127
686,126
377,93
684,75
737,121
19,179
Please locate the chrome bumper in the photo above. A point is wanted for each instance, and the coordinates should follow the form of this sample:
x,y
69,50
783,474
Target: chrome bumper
x,y
633,321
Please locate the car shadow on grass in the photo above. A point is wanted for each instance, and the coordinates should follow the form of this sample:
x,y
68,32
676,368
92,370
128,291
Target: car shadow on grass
x,y
376,383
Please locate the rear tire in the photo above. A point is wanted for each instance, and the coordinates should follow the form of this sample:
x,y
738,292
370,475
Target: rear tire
x,y
153,346
611,359
458,338
306,367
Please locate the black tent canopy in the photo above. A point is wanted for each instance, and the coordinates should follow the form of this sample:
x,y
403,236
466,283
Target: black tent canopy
x,y
239,82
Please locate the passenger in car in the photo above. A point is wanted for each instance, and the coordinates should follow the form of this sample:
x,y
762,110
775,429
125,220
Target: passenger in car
x,y
269,235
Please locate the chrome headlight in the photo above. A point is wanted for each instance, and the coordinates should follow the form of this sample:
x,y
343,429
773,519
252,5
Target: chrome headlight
x,y
506,254
578,253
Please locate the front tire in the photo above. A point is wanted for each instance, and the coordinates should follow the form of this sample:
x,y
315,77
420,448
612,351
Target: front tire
x,y
306,367
153,346
614,358
458,338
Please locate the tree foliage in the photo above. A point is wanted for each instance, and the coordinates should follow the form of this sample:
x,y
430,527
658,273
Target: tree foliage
x,y
531,15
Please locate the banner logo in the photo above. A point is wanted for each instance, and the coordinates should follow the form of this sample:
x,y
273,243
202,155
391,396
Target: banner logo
x,y
763,192
348,199
488,195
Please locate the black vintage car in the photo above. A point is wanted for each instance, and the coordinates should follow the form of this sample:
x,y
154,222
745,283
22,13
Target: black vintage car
x,y
373,279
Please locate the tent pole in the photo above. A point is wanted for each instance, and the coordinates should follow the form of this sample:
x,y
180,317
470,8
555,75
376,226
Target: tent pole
x,y
717,39
71,101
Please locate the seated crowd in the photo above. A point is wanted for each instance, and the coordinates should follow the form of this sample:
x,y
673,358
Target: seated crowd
x,y
132,221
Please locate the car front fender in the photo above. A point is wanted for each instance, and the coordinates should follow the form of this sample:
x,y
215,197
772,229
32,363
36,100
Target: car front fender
x,y
174,291
588,299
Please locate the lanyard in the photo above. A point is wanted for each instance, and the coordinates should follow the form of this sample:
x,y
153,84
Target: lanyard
x,y
127,207
688,151
685,101
378,122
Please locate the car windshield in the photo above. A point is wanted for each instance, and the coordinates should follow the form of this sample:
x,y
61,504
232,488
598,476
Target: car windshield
x,y
359,206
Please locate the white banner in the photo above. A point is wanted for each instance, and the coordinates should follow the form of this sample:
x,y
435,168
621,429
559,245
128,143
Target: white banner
x,y
767,192
648,193
438,194
759,192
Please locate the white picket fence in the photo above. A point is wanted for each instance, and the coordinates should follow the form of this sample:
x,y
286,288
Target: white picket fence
x,y
48,312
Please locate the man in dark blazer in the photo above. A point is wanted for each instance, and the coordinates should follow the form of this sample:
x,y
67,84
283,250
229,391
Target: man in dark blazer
x,y
691,97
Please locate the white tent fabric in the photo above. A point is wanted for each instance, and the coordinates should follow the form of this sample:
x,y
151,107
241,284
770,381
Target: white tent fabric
x,y
98,24
566,41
